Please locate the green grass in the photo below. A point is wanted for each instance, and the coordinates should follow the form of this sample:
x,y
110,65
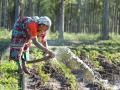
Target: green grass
x,y
114,39
45,77
64,70
80,36
110,50
8,70
4,39
58,67
5,34
8,75
74,36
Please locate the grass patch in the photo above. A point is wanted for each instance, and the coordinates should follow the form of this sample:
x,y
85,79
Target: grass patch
x,y
5,34
4,40
44,77
8,75
66,72
74,36
59,69
80,36
110,50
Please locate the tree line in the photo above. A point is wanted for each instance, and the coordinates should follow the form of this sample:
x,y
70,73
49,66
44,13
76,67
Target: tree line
x,y
78,16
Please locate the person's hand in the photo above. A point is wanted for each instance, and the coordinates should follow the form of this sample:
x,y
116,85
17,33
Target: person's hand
x,y
50,54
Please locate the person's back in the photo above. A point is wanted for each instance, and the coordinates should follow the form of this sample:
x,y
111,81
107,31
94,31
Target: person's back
x,y
20,33
26,29
20,36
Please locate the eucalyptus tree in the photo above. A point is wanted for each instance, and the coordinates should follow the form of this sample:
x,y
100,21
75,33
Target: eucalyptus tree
x,y
114,18
61,21
78,19
19,8
30,8
11,13
71,13
74,16
0,12
4,13
61,15
105,30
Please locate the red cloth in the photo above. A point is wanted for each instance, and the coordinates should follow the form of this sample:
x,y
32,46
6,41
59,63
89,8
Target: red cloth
x,y
33,28
42,37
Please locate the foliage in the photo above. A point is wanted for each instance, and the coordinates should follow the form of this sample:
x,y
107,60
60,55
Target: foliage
x,y
88,13
70,1
4,34
108,48
74,36
35,52
8,75
52,36
4,41
59,68
66,72
92,55
4,38
44,77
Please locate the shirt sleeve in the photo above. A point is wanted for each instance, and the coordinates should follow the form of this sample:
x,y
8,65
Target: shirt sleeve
x,y
43,37
33,26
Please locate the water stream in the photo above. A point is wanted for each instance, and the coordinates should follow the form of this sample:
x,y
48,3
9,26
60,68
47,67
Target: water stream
x,y
85,73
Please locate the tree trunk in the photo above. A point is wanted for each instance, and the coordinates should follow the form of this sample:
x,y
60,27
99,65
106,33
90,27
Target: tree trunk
x,y
61,21
21,15
30,7
17,9
0,12
119,26
78,16
4,13
105,32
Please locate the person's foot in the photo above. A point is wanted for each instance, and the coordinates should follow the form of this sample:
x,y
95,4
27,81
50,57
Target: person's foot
x,y
20,71
26,70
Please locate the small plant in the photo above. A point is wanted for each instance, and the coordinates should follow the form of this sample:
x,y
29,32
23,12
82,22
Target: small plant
x,y
8,75
44,77
35,52
63,70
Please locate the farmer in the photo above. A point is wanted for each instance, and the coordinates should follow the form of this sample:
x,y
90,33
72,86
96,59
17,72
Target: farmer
x,y
25,31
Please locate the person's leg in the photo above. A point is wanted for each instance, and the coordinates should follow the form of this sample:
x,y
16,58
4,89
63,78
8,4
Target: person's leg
x,y
25,57
15,54
20,68
25,69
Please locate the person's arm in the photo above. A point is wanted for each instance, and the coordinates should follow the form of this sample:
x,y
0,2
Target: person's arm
x,y
43,39
33,32
45,43
40,46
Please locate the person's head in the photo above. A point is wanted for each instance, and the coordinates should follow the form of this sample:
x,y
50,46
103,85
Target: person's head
x,y
44,23
35,18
